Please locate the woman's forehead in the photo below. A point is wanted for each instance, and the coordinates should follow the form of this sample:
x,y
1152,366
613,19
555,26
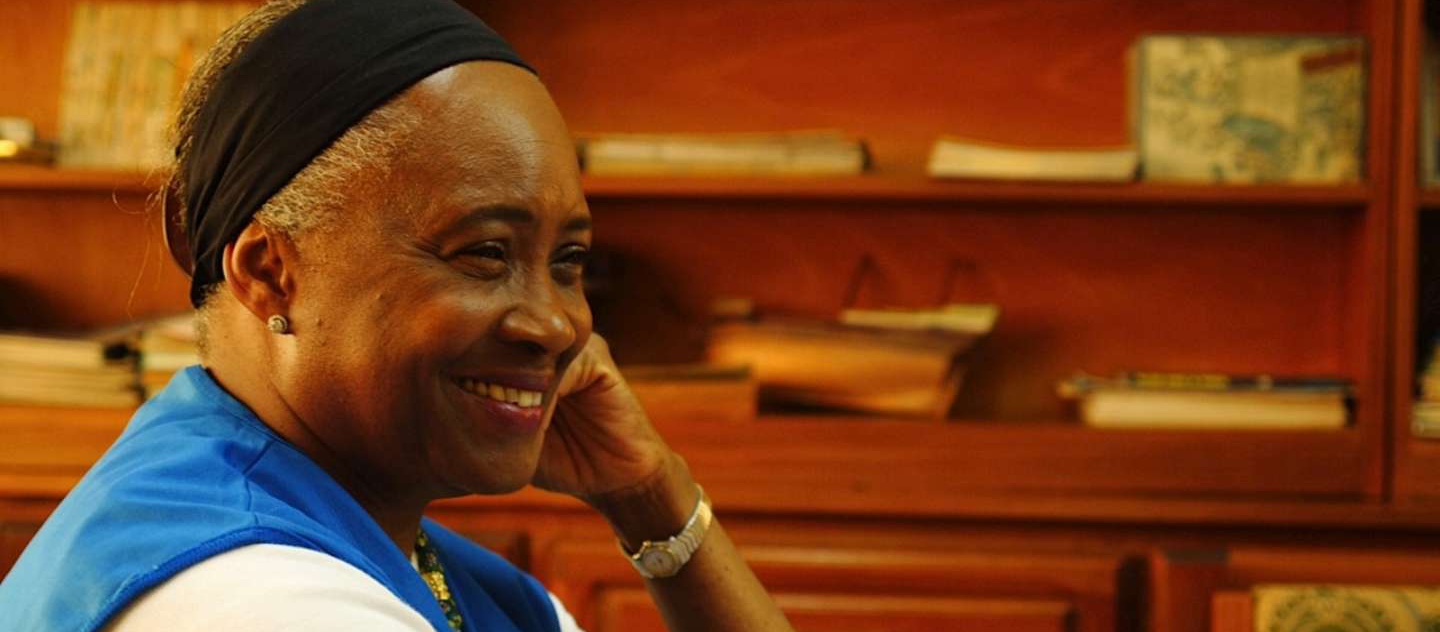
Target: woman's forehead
x,y
488,138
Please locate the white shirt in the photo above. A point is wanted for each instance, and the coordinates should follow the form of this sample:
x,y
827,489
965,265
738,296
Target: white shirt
x,y
281,588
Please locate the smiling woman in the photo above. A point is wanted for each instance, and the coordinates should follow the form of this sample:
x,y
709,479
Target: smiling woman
x,y
389,239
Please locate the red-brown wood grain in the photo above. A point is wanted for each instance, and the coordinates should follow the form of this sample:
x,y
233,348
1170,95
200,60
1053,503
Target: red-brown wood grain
x,y
1097,289
1232,611
897,73
82,259
1416,465
1183,584
631,610
582,572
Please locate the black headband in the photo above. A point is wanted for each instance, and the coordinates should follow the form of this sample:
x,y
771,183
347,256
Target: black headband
x,y
299,86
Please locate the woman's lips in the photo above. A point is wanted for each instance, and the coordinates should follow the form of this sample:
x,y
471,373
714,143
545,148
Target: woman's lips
x,y
521,397
517,410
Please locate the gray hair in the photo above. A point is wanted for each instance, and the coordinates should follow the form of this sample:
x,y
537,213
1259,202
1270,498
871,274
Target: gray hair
x,y
314,197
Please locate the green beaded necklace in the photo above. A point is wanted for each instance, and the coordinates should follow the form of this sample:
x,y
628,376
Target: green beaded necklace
x,y
434,576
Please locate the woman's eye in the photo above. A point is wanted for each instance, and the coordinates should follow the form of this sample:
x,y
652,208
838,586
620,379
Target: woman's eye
x,y
574,256
487,260
487,250
569,264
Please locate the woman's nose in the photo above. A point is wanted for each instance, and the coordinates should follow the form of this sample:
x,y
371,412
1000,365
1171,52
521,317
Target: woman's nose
x,y
539,320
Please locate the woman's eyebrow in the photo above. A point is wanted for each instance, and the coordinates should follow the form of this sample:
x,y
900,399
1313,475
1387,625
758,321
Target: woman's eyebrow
x,y
509,214
477,217
499,213
577,224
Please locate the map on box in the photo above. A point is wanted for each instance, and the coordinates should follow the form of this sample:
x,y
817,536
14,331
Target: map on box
x,y
1249,109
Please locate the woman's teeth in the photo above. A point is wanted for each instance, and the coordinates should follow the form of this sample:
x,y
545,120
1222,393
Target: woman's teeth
x,y
518,397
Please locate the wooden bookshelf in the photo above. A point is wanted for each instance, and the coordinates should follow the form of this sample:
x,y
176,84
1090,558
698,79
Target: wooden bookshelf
x,y
1011,470
48,179
1302,280
1095,277
1416,478
864,188
917,188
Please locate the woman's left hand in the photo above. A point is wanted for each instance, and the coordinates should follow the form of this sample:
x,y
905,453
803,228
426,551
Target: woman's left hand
x,y
599,441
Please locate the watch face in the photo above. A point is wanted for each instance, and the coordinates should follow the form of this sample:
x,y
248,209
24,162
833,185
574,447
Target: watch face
x,y
660,562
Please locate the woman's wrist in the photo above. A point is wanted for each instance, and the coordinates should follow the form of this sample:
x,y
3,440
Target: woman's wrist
x,y
653,509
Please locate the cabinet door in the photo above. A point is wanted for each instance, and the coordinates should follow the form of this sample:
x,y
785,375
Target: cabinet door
x,y
823,588
1195,591
629,609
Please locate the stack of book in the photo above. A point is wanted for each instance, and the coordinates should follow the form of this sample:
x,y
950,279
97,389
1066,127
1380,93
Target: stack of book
x,y
887,362
1425,415
92,371
972,159
163,347
1209,401
18,143
821,153
1429,142
126,65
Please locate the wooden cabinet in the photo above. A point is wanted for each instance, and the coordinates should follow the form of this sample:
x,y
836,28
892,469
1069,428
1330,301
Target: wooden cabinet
x,y
631,609
1011,516
1195,591
1417,233
854,588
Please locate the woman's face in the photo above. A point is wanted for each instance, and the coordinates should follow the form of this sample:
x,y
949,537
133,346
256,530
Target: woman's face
x,y
433,327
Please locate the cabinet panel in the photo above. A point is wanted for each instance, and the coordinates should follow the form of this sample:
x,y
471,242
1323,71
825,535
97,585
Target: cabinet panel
x,y
631,610
1196,591
853,588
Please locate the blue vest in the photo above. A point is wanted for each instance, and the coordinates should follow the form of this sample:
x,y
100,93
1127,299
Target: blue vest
x,y
196,474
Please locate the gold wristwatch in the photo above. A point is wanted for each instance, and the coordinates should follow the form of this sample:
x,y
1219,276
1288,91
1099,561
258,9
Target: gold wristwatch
x,y
658,559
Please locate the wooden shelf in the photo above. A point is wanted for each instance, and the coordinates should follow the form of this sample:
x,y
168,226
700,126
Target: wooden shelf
x,y
1077,508
867,188
921,189
914,469
897,468
33,178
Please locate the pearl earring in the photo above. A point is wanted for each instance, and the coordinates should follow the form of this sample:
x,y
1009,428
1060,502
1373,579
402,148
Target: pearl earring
x,y
278,325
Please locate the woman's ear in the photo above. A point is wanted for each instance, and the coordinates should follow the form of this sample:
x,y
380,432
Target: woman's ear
x,y
260,270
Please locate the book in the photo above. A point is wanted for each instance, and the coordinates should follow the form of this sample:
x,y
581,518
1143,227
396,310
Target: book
x,y
962,158
1155,380
1429,127
1207,401
1425,420
822,153
977,318
694,392
86,351
124,67
1343,605
1249,109
18,143
113,387
163,346
816,363
36,394
88,369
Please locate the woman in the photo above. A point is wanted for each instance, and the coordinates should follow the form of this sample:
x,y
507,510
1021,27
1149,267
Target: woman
x,y
388,239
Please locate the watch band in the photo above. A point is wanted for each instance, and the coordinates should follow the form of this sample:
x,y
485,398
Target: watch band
x,y
658,559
